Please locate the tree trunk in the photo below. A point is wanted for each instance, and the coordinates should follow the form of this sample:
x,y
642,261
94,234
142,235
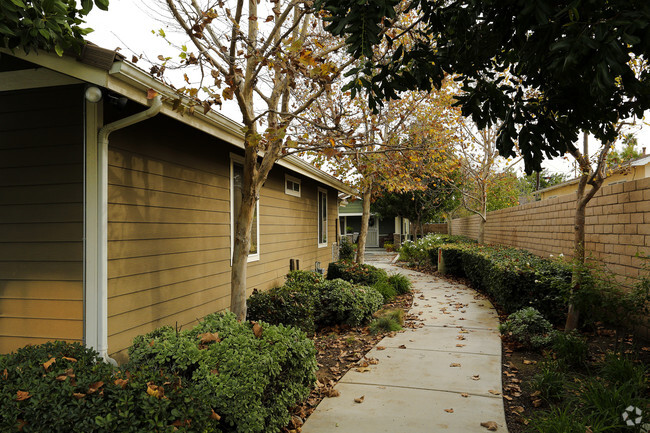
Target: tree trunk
x,y
241,248
365,218
481,230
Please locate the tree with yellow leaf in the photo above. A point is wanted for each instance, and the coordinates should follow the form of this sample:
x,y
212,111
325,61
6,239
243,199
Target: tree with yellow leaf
x,y
255,54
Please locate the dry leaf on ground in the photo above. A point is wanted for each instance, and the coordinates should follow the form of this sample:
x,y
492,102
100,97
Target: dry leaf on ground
x,y
449,410
360,399
490,425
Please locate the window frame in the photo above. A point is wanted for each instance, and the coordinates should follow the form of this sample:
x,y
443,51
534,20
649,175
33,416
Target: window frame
x,y
239,160
295,180
318,214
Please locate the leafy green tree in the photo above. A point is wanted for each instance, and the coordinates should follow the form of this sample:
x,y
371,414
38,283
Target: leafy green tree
x,y
529,183
627,153
51,25
543,70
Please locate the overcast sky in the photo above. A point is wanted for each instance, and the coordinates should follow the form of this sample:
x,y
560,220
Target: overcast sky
x,y
128,24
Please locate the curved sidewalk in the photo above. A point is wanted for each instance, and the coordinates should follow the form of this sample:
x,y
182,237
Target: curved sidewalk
x,y
444,376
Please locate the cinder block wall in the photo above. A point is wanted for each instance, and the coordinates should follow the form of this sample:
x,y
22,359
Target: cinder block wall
x,y
617,226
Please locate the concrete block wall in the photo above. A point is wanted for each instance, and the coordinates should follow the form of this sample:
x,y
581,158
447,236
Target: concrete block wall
x,y
617,226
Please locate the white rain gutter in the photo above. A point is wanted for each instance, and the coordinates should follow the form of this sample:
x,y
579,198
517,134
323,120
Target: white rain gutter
x,y
96,333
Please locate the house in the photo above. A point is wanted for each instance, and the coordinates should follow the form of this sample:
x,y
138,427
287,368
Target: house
x,y
637,169
116,211
380,230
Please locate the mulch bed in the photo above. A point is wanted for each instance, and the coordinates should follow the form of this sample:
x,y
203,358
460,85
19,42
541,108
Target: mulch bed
x,y
341,348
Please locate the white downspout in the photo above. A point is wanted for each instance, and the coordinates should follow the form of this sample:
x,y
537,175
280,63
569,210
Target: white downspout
x,y
100,340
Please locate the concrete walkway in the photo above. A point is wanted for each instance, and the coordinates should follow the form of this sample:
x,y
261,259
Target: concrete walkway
x,y
444,376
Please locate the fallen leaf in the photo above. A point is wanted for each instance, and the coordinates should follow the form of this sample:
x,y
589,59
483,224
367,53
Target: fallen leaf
x,y
517,409
362,369
151,93
537,402
121,383
49,363
460,345
360,399
464,394
22,395
402,347
61,377
454,364
332,393
78,395
380,348
528,362
490,425
209,337
494,392
69,359
449,410
476,377
536,394
5,374
257,329
94,387
507,397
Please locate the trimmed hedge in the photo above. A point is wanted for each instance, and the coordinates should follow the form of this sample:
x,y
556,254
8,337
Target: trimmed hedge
x,y
418,252
514,278
366,275
308,306
222,376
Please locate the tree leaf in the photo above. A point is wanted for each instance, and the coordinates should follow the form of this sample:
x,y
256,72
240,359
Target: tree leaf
x,y
22,395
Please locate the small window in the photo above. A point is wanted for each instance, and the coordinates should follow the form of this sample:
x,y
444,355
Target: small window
x,y
236,185
322,217
291,186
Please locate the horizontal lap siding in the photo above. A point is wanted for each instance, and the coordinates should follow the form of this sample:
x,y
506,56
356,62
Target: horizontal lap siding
x,y
41,216
169,229
168,232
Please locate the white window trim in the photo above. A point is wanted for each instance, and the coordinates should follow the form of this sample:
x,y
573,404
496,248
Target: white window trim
x,y
322,245
294,180
234,158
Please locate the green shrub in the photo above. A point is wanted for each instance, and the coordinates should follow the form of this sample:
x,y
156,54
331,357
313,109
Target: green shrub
x,y
621,369
347,249
550,381
303,280
570,348
419,252
401,283
249,375
528,327
341,302
366,275
514,278
389,246
387,320
285,305
78,392
386,289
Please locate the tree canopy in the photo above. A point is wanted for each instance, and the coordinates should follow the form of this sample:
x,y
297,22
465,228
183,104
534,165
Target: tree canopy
x,y
542,70
53,25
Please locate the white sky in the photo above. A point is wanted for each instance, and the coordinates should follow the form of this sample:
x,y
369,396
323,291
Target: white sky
x,y
128,24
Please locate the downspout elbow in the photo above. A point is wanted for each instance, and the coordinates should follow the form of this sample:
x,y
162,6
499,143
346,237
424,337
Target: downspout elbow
x,y
102,285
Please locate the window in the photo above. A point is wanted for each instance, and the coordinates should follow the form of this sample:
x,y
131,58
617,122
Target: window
x,y
322,217
236,194
291,186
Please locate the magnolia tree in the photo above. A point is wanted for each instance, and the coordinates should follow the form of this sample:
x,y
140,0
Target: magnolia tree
x,y
255,54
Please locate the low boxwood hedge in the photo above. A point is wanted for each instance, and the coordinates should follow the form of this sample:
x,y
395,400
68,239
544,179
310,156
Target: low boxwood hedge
x,y
514,278
418,252
366,275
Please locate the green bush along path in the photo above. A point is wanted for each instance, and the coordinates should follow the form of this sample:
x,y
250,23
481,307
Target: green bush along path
x,y
443,375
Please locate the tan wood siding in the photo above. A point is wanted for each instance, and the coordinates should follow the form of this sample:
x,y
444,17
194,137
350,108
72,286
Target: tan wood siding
x,y
169,229
41,216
